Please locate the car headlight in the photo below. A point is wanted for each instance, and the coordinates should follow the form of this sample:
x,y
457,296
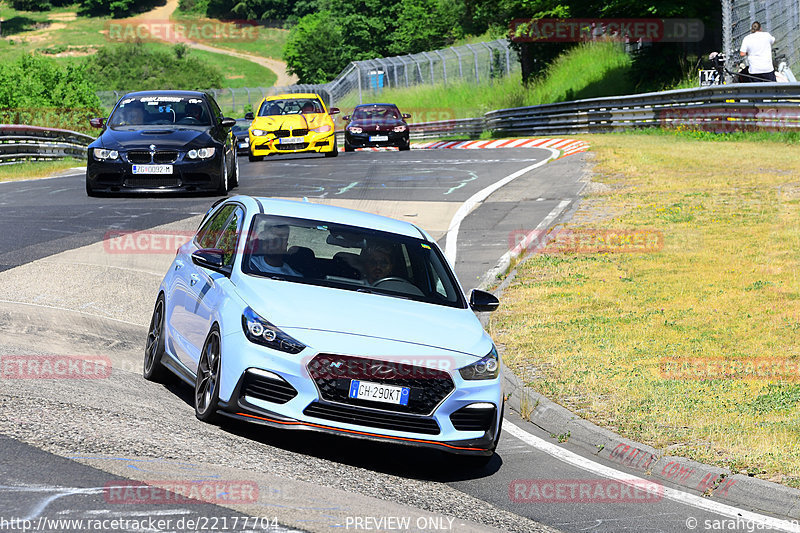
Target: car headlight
x,y
102,153
322,129
399,129
261,331
258,133
202,153
486,368
355,130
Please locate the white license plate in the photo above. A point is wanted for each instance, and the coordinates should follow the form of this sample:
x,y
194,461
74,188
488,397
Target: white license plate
x,y
152,169
377,392
378,138
291,140
243,145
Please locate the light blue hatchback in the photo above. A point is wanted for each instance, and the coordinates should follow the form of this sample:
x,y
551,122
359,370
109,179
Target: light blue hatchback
x,y
305,316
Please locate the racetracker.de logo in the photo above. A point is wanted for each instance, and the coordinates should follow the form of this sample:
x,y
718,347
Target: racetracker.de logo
x,y
743,368
586,241
549,30
173,31
54,367
172,492
145,242
584,491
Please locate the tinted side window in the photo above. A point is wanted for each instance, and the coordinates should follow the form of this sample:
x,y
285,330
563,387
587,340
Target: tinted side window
x,y
210,232
230,235
215,110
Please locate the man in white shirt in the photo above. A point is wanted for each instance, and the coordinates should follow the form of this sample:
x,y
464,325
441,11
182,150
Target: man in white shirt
x,y
758,48
271,252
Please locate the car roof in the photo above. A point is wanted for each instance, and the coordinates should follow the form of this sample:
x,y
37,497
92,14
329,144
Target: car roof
x,y
195,94
330,213
293,95
376,105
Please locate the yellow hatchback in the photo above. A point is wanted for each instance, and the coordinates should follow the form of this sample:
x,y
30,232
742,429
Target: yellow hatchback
x,y
290,124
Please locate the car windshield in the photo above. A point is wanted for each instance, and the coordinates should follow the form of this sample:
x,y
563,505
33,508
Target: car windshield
x,y
376,113
349,258
160,110
241,125
290,106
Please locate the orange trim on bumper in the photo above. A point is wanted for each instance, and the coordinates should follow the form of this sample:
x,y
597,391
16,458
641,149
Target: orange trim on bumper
x,y
310,424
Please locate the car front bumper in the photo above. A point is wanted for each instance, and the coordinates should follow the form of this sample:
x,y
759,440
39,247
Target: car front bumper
x,y
187,175
362,140
312,142
279,390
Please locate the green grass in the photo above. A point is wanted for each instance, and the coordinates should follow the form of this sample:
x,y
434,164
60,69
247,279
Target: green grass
x,y
37,169
28,32
587,71
724,287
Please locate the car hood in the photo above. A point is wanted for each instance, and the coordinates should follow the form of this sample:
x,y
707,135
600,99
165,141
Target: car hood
x,y
372,125
162,138
298,307
278,122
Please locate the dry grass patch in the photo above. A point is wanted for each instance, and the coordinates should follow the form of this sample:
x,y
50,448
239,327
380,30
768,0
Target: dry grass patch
x,y
36,169
597,326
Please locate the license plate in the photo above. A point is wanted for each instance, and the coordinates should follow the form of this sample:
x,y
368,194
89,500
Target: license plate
x,y
377,392
243,145
378,138
291,140
152,169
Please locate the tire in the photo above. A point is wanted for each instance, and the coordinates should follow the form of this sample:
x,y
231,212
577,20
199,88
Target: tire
x,y
89,191
235,178
334,152
224,186
348,148
405,147
253,158
206,386
152,369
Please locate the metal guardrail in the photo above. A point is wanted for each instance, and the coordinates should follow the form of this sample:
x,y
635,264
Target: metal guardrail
x,y
724,108
465,127
19,143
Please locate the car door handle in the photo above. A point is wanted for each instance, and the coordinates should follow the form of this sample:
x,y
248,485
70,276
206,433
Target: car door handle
x,y
178,265
194,279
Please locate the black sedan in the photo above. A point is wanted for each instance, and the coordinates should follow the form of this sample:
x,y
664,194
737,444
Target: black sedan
x,y
240,131
163,141
376,125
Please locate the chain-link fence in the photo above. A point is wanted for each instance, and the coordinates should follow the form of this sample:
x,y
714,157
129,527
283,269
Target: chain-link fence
x,y
781,18
472,63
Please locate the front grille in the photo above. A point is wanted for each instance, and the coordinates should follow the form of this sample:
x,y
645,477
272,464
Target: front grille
x,y
293,146
333,374
139,156
153,182
299,133
472,419
166,157
282,133
373,419
267,389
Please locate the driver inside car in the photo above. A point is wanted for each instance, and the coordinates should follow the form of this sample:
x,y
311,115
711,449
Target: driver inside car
x,y
269,250
378,264
194,111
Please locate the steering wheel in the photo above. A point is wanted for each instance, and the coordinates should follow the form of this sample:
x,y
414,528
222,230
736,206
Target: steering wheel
x,y
189,121
390,278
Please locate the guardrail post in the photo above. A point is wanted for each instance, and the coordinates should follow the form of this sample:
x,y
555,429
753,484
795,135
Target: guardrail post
x,y
430,62
358,74
233,100
491,60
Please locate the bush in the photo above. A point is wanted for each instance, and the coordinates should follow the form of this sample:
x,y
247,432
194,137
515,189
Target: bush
x,y
31,5
134,67
35,90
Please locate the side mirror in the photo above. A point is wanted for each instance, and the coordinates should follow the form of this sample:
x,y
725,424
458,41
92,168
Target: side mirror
x,y
210,258
406,115
249,115
333,111
227,122
98,122
483,301
346,118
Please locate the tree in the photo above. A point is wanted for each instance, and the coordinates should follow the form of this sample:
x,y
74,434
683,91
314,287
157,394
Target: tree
x,y
424,25
312,52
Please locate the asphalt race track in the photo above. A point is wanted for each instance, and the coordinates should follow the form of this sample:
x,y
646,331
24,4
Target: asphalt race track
x,y
62,441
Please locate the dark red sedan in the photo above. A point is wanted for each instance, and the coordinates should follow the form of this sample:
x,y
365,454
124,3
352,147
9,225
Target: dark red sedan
x,y
376,125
